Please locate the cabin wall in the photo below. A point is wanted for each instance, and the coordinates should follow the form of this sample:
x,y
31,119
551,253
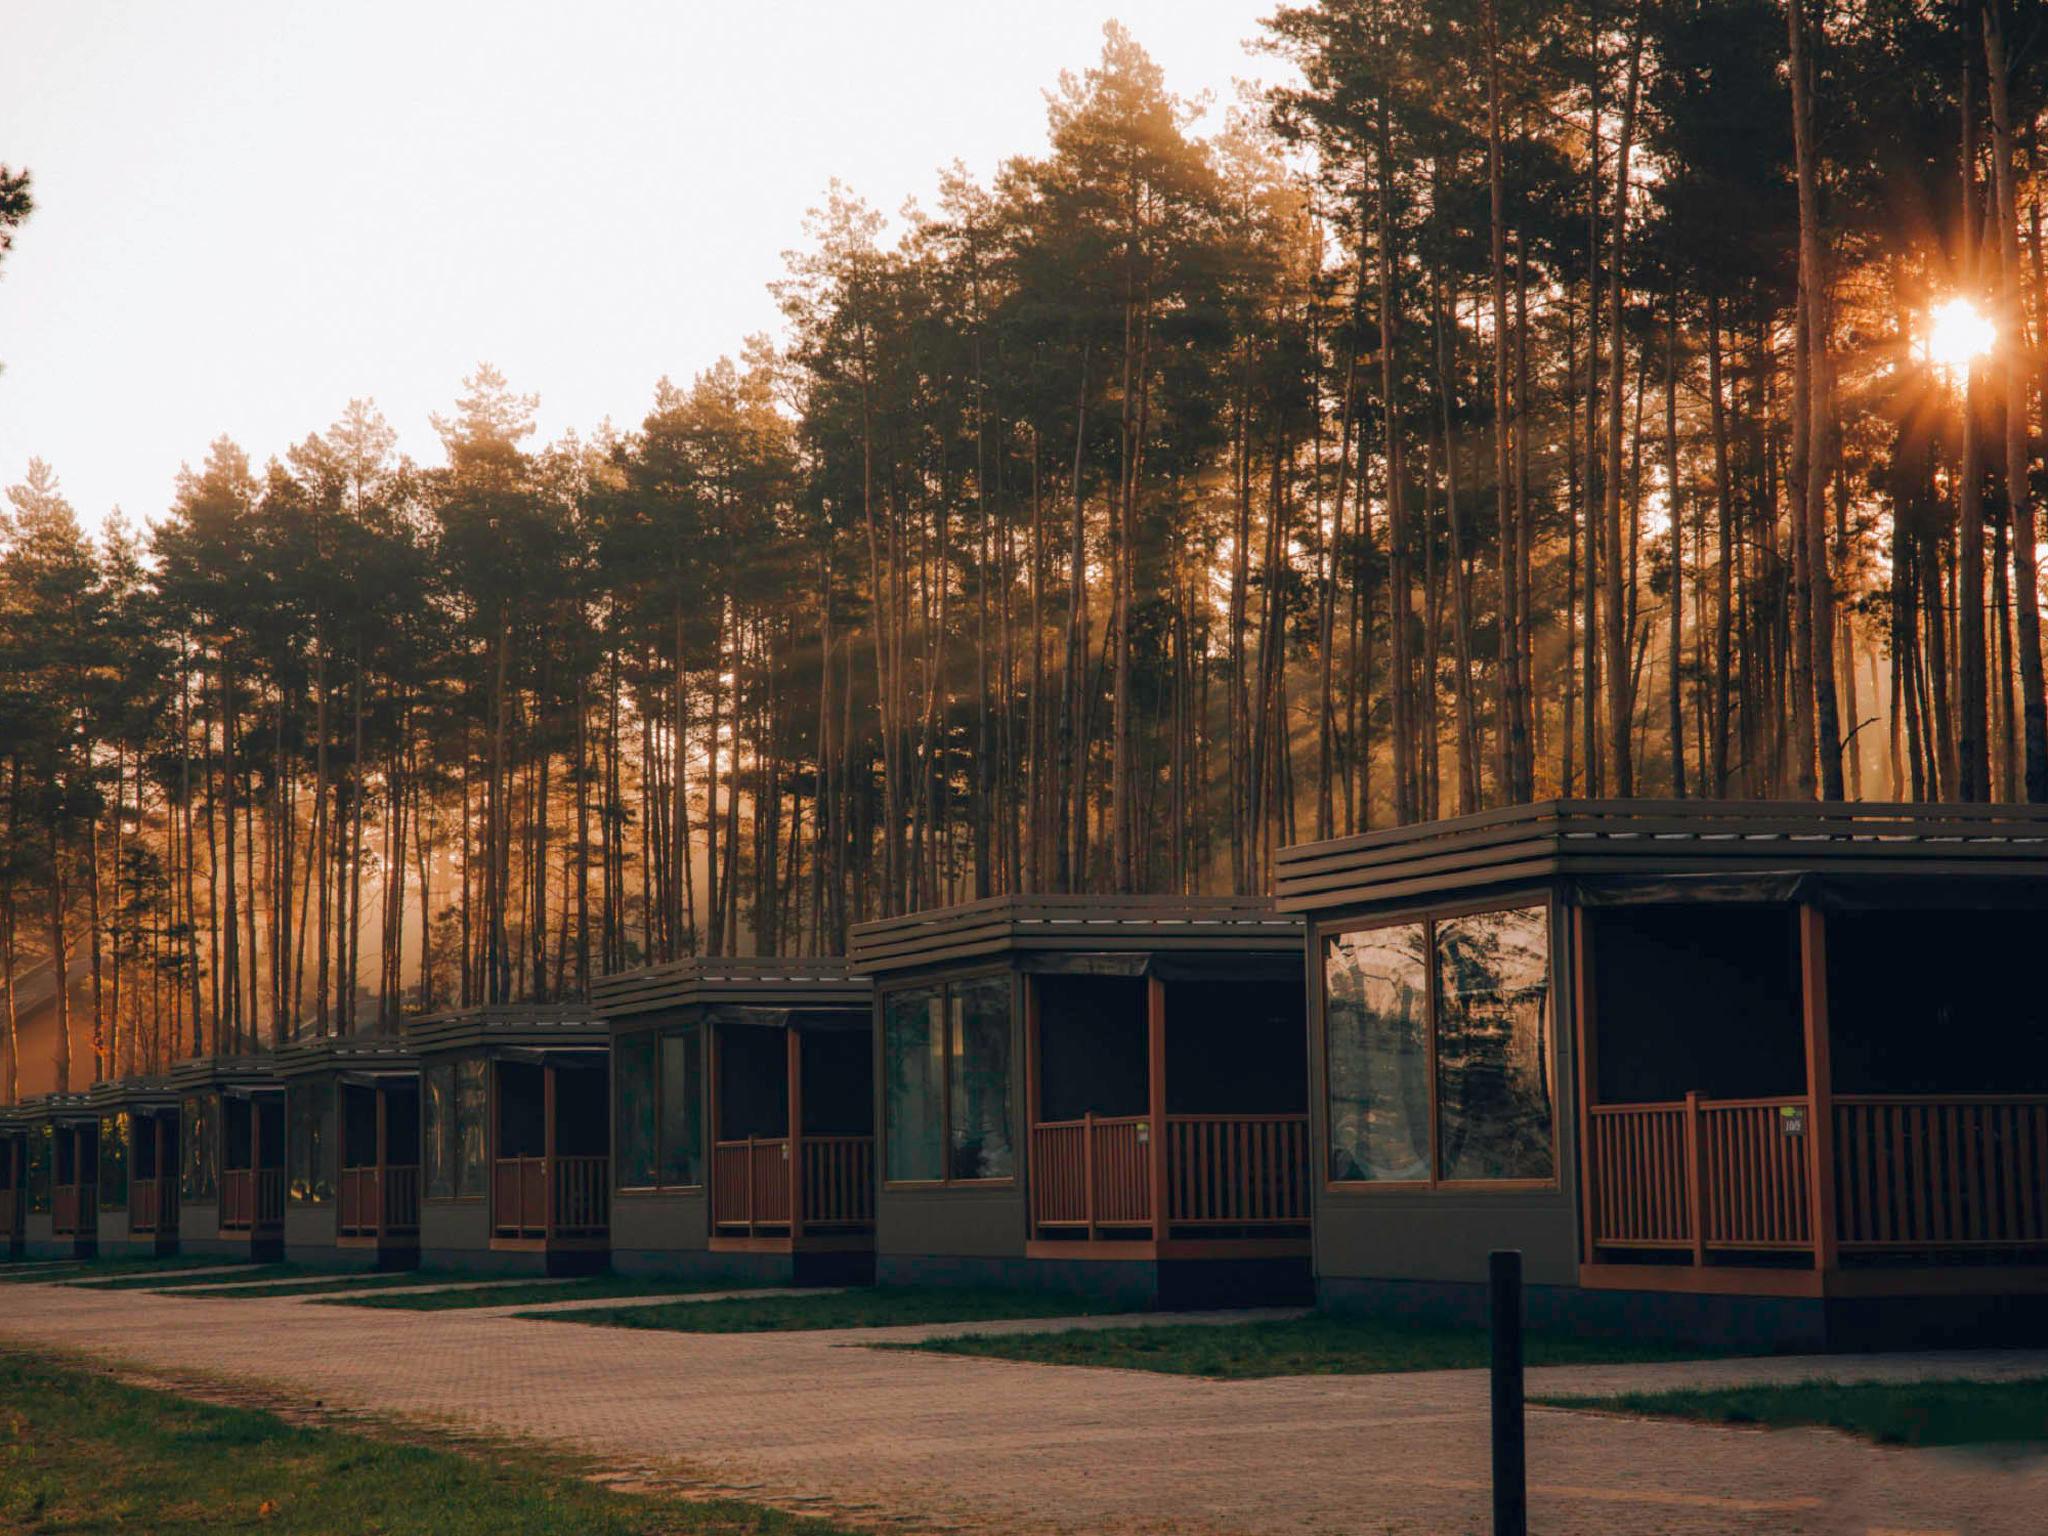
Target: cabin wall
x,y
662,1233
454,1233
969,1233
1374,1246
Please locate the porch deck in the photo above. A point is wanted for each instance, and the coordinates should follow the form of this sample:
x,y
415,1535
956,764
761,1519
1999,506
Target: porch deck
x,y
825,1198
551,1199
1241,1177
379,1204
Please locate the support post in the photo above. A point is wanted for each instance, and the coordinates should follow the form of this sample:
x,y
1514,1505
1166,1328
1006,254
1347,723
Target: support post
x,y
1155,1053
383,1155
795,1142
1820,1085
1695,1180
1510,1459
547,1149
1088,1171
1584,1025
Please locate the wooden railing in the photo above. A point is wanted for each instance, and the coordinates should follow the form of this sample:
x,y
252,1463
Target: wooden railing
x,y
549,1197
74,1210
251,1199
1910,1172
1239,1171
402,1200
750,1185
1947,1171
839,1182
152,1205
379,1202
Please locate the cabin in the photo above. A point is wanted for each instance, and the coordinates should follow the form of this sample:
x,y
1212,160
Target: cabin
x,y
138,1167
515,1138
231,1156
1753,1072
1102,1094
716,1064
13,1183
61,1219
352,1150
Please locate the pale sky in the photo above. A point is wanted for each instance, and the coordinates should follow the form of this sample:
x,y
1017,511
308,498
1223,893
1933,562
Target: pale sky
x,y
248,213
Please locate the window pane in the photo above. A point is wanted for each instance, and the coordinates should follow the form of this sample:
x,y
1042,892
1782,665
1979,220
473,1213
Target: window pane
x,y
913,1103
1493,1045
682,1097
981,1145
633,1079
472,1100
114,1130
437,1106
199,1174
310,1143
40,1141
1375,989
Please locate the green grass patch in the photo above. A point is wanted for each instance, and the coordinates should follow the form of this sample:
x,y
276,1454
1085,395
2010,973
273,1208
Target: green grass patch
x,y
867,1307
241,1274
358,1280
81,1452
1892,1413
1316,1345
96,1270
592,1287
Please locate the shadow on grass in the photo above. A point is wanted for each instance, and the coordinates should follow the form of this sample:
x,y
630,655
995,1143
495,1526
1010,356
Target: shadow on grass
x,y
1891,1413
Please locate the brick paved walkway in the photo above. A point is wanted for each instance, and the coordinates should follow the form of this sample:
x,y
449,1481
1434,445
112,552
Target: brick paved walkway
x,y
993,1446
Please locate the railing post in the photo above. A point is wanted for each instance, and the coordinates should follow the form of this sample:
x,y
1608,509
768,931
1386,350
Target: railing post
x,y
795,1142
1155,1033
1820,1087
1510,1459
1088,1171
752,1175
1695,1179
547,1159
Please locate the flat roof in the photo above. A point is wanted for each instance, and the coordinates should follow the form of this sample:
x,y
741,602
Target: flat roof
x,y
122,1092
533,1026
1019,925
253,1071
1620,840
747,981
369,1052
56,1106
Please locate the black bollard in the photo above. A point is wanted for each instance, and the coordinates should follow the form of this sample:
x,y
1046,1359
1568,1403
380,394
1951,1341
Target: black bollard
x,y
1510,1461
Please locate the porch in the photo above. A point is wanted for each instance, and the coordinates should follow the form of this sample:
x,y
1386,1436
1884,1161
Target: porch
x,y
1169,1118
1895,1136
769,1195
377,1190
74,1185
550,1171
252,1171
153,1179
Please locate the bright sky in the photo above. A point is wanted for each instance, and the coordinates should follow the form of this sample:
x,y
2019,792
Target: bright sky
x,y
249,212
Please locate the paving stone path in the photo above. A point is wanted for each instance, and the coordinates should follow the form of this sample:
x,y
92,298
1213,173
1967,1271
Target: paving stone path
x,y
984,1446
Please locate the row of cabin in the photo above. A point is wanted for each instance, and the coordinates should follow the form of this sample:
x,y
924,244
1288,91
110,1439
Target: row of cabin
x,y
1760,1072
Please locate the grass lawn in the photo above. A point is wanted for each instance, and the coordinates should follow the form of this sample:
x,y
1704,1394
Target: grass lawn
x,y
30,1272
590,1286
81,1452
146,1280
1307,1346
874,1307
315,1285
1893,1413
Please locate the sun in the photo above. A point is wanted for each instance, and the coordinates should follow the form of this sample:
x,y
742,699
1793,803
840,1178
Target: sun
x,y
1958,333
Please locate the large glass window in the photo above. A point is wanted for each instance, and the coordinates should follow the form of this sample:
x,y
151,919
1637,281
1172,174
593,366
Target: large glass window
x,y
309,1139
1439,1052
948,1089
639,1099
41,1141
1376,1010
1493,1046
979,1143
198,1147
682,1099
437,1122
472,1106
914,1101
114,1138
